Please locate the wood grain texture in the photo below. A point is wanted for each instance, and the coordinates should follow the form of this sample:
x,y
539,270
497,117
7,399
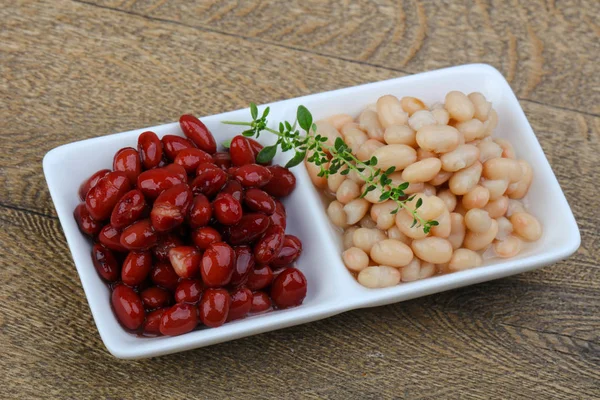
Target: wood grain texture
x,y
72,70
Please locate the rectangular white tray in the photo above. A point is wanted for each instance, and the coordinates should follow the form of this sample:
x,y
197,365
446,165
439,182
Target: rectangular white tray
x,y
331,289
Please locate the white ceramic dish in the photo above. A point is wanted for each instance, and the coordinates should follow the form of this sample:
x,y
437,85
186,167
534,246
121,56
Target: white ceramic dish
x,y
331,289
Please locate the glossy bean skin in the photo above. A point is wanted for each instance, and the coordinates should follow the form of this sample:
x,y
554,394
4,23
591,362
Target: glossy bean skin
x,y
379,276
240,303
153,182
164,275
526,226
131,207
171,207
110,237
214,307
253,175
150,149
128,161
200,211
261,303
101,199
86,223
190,158
105,263
433,249
463,259
235,189
244,264
198,133
136,267
282,182
185,261
279,216
222,160
209,180
260,277
259,201
355,259
217,265
227,210
139,236
205,236
151,325
91,182
241,151
290,251
155,297
179,319
173,144
128,307
391,252
165,243
289,288
188,291
269,245
250,227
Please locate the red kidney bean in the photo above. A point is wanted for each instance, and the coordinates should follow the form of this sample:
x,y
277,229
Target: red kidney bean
x,y
165,243
151,325
101,199
222,159
105,263
131,207
290,251
153,182
214,307
269,245
243,265
84,220
91,182
164,275
279,216
150,149
240,303
277,271
228,210
136,267
261,303
128,161
209,179
235,189
250,227
282,183
255,146
205,236
188,291
260,277
241,151
190,158
173,144
139,236
252,175
155,297
217,265
128,307
177,170
259,200
179,319
289,289
110,237
185,261
200,212
198,133
171,207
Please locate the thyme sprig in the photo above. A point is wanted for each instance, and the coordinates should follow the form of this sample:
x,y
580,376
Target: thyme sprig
x,y
330,159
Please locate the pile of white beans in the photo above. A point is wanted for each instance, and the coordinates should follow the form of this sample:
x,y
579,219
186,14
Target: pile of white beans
x,y
469,182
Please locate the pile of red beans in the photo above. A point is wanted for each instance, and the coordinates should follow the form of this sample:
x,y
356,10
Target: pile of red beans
x,y
188,236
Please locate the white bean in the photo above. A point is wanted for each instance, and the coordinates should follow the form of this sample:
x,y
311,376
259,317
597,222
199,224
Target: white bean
x,y
497,208
491,123
432,249
444,225
509,247
502,168
438,138
459,106
508,151
399,156
457,230
429,190
367,222
496,187
477,197
365,238
427,270
422,154
411,105
505,228
519,189
514,206
400,134
334,181
391,252
466,179
471,129
479,241
369,122
449,198
379,277
482,106
410,272
313,172
526,226
431,206
422,171
353,136
420,119
355,177
488,150
326,129
356,210
463,259
347,240
339,120
374,195
390,111
367,148
355,259
347,191
462,157
382,214
336,214
404,222
441,178
441,116
394,233
478,221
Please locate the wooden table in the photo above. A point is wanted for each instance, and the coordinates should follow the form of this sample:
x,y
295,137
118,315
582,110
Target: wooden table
x,y
78,69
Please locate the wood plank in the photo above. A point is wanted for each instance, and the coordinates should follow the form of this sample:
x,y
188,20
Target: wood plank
x,y
547,50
